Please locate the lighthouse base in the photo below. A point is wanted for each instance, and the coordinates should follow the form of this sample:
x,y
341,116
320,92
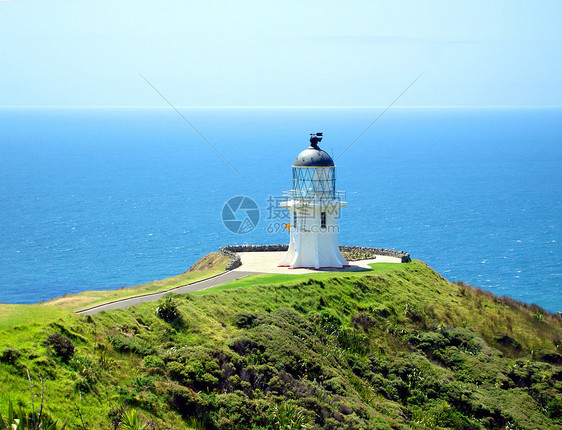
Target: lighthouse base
x,y
314,257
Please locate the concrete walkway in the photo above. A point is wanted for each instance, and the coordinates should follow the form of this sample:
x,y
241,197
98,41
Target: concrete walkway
x,y
266,262
203,284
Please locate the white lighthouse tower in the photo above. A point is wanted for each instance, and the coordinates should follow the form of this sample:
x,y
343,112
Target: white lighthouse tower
x,y
314,205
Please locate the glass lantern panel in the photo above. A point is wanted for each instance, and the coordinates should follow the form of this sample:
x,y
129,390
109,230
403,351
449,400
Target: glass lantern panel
x,y
314,182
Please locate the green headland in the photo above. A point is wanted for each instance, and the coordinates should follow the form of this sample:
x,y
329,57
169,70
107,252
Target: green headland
x,y
397,347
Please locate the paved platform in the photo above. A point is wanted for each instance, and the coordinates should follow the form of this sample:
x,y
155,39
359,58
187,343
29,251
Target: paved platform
x,y
267,262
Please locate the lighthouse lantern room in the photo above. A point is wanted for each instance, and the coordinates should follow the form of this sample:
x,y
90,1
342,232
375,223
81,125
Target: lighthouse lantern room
x,y
314,205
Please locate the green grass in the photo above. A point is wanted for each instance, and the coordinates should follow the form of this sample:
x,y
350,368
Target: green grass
x,y
269,279
395,347
25,315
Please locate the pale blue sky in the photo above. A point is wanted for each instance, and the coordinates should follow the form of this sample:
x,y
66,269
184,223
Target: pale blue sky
x,y
286,53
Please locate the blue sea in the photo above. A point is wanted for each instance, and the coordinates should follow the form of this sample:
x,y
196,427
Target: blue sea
x,y
105,198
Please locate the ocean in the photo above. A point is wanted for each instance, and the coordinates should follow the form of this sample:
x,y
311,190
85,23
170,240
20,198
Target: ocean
x,y
105,198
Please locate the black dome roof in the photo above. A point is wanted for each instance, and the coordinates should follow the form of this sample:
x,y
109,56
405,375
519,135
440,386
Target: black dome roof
x,y
313,156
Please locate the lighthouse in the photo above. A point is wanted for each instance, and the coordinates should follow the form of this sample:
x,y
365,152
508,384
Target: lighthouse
x,y
314,205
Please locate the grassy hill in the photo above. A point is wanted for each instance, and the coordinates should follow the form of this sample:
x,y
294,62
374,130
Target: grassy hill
x,y
396,347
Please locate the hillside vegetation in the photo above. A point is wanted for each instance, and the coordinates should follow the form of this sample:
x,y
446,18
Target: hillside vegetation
x,y
395,348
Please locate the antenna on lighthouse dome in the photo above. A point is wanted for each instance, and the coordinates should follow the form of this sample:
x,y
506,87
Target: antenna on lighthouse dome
x,y
315,139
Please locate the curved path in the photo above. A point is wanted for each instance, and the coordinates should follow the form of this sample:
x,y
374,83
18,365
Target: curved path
x,y
203,284
253,263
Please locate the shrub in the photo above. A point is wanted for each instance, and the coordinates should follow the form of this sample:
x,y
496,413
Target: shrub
x,y
353,340
464,339
362,320
115,416
244,319
550,357
507,341
329,321
244,346
335,386
168,310
143,383
9,356
554,408
289,417
428,341
153,362
132,420
131,344
61,346
186,401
